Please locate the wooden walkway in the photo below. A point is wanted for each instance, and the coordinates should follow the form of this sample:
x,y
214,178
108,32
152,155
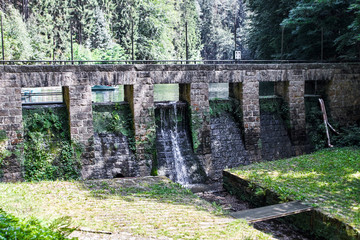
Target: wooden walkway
x,y
273,211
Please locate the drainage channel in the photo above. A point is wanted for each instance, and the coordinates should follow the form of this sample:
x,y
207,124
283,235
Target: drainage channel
x,y
276,228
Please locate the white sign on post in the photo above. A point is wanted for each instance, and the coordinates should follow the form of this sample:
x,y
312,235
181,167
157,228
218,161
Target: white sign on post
x,y
237,55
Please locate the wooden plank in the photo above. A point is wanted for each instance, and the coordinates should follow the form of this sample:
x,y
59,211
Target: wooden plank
x,y
273,211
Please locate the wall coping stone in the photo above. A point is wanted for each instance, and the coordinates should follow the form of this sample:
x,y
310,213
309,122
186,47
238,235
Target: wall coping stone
x,y
346,67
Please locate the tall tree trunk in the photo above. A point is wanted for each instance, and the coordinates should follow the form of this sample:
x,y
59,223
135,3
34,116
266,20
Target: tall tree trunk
x,y
25,9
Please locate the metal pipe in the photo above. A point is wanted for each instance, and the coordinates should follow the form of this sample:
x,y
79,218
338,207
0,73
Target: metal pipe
x,y
132,40
2,39
322,44
235,32
282,41
186,42
71,42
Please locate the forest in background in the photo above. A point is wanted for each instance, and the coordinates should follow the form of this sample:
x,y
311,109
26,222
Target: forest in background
x,y
155,29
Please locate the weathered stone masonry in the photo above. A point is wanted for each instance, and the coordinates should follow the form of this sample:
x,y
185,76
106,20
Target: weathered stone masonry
x,y
11,121
343,93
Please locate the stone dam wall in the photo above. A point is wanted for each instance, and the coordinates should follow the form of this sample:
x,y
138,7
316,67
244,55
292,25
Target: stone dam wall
x,y
341,84
227,145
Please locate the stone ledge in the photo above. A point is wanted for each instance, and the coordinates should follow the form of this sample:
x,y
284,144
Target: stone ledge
x,y
346,67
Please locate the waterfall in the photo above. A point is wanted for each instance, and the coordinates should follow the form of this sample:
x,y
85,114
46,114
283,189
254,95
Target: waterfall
x,y
176,159
169,131
182,176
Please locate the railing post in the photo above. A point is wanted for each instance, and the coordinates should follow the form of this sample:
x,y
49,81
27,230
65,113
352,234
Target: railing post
x,y
71,42
2,40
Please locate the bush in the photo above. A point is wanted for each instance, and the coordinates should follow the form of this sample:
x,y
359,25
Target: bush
x,y
12,228
349,136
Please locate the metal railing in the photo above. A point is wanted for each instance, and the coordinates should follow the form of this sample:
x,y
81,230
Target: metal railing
x,y
176,62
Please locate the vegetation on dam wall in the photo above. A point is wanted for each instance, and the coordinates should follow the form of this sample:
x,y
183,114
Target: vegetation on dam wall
x,y
48,152
114,118
346,136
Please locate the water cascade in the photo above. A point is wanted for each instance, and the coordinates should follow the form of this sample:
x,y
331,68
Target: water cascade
x,y
175,157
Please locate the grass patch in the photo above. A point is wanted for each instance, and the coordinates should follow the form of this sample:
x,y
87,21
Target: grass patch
x,y
328,179
147,207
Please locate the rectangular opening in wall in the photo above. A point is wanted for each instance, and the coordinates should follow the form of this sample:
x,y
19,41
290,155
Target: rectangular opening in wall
x,y
166,92
315,88
107,94
267,89
42,96
218,91
49,155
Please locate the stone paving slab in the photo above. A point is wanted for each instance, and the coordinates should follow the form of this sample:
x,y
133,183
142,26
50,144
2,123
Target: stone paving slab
x,y
273,211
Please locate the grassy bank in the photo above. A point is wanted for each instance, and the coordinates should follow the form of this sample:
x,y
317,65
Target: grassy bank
x,y
150,207
328,179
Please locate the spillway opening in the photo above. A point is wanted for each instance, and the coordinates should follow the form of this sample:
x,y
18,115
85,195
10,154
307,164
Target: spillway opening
x,y
107,93
175,157
219,91
316,135
275,139
42,96
114,141
166,92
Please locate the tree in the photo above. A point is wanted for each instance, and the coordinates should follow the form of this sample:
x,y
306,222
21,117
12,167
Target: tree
x,y
83,18
348,44
219,20
264,38
124,20
17,41
40,28
187,14
310,22
308,29
155,32
99,36
55,14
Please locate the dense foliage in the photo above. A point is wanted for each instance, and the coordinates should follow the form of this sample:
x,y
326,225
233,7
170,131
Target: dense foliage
x,y
219,20
12,228
115,29
101,29
307,25
48,152
155,29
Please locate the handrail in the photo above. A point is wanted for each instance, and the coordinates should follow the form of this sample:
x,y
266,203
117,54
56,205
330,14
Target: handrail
x,y
177,62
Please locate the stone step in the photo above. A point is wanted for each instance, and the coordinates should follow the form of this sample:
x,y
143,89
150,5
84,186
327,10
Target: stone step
x,y
271,212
